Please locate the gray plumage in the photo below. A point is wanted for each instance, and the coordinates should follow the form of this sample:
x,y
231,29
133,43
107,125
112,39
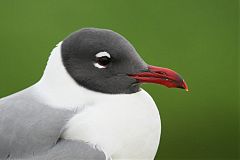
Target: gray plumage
x,y
31,130
70,150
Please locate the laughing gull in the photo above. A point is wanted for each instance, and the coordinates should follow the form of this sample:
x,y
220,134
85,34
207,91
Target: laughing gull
x,y
87,105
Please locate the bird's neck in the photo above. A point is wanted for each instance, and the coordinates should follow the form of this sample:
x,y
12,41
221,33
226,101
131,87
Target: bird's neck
x,y
57,88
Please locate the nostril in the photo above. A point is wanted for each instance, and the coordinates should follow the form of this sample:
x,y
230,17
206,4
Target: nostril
x,y
163,73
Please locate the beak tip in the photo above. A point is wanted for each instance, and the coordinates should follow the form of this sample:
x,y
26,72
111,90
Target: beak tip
x,y
185,86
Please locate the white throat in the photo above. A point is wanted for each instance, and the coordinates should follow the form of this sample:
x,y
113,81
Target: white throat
x,y
125,126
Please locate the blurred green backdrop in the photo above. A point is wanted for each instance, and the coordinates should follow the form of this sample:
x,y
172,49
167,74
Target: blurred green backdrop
x,y
197,38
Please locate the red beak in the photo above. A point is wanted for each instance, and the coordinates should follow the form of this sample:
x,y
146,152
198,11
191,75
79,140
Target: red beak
x,y
163,76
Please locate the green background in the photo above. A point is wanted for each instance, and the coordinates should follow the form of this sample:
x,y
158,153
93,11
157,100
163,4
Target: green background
x,y
197,38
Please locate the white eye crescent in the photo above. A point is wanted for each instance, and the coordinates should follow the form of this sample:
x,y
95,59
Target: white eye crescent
x,y
98,65
102,54
102,60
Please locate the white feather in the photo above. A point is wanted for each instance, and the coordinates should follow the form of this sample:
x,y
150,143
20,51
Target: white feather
x,y
125,126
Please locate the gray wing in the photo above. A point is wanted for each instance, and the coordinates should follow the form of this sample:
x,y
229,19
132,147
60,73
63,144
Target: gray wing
x,y
70,150
29,128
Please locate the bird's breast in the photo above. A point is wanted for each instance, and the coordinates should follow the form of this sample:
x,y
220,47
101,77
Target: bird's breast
x,y
124,126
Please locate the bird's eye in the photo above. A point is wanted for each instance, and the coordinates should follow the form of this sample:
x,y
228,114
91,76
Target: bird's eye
x,y
102,60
